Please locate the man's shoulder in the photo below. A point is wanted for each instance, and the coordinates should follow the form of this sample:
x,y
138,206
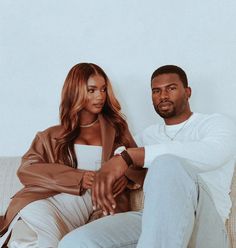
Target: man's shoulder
x,y
213,116
215,119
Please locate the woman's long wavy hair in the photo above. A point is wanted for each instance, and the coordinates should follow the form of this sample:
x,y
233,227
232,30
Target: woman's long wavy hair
x,y
74,99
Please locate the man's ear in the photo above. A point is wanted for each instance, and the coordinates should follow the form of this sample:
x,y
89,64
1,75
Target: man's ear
x,y
188,91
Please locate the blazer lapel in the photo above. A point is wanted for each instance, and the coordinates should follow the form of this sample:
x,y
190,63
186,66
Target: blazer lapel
x,y
108,138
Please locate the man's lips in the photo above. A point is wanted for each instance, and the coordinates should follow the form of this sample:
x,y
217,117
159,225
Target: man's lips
x,y
164,105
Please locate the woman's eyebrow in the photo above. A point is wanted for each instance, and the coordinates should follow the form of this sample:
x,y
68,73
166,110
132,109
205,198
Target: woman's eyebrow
x,y
92,86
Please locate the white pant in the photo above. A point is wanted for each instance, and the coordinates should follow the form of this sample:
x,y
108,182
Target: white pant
x,y
50,219
178,213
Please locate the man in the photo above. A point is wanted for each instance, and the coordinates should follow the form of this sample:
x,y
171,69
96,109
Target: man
x,y
190,161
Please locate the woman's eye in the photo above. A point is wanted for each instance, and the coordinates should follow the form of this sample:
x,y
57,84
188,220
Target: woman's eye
x,y
91,90
104,90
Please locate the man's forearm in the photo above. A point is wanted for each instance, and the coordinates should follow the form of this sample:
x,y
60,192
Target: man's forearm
x,y
137,155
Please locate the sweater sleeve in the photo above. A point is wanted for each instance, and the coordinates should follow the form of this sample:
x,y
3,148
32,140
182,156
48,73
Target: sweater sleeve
x,y
215,147
36,170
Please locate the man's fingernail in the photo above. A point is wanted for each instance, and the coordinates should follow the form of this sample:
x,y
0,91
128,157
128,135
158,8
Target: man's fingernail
x,y
114,206
104,213
94,207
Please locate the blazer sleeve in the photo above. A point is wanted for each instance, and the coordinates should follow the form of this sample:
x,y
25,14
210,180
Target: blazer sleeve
x,y
136,175
37,170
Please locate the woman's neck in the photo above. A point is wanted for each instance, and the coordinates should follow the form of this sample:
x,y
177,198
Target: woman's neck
x,y
87,118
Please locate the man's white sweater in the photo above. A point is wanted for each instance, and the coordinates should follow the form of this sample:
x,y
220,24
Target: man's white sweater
x,y
207,142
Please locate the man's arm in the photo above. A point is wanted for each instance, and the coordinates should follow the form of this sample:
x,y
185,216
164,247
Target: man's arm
x,y
214,147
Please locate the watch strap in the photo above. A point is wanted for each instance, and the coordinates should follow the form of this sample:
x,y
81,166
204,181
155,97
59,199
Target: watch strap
x,y
125,155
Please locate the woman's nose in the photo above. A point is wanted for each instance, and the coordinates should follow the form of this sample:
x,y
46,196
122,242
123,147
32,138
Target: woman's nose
x,y
99,95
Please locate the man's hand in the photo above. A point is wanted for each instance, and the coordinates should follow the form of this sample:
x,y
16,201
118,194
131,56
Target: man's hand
x,y
102,193
88,179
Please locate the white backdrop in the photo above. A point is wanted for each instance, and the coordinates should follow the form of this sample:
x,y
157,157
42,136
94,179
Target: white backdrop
x,y
41,40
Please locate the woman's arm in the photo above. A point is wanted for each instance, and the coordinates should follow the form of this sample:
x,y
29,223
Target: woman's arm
x,y
37,170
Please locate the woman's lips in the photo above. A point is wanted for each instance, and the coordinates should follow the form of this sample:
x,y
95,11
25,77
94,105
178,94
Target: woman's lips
x,y
98,105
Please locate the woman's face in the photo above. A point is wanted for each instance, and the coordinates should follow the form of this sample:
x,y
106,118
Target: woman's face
x,y
97,93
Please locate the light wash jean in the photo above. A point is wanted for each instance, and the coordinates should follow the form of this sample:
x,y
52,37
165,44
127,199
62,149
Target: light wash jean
x,y
178,213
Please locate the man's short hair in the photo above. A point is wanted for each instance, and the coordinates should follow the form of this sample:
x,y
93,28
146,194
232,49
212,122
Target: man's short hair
x,y
171,69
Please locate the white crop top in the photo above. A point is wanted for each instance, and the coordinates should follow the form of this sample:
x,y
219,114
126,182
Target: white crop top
x,y
88,157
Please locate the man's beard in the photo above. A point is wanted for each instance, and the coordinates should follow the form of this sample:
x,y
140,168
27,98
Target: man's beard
x,y
165,114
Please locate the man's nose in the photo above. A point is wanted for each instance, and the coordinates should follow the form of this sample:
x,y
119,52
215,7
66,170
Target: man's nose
x,y
164,95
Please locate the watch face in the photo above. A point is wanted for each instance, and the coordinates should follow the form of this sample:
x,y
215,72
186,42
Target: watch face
x,y
119,150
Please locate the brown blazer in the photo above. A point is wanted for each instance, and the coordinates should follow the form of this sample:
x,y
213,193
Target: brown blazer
x,y
43,176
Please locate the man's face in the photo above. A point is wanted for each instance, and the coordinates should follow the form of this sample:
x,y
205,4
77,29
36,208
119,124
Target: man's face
x,y
169,97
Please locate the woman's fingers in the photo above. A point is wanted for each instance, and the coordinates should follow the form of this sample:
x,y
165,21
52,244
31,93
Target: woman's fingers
x,y
117,183
120,185
88,179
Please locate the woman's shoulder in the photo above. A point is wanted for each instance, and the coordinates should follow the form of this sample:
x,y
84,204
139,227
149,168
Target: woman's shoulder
x,y
51,132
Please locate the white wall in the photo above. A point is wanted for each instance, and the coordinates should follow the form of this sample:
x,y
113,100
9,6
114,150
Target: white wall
x,y
41,40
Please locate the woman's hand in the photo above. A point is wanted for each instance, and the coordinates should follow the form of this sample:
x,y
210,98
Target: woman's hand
x,y
119,186
88,179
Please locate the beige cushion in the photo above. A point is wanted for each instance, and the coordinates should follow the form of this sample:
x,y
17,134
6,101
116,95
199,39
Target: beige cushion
x,y
9,182
136,199
231,223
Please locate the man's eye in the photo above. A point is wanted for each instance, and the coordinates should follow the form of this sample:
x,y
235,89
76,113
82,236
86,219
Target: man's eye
x,y
156,91
172,88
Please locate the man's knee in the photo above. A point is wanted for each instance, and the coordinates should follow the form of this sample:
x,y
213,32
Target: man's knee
x,y
166,159
168,168
79,239
166,164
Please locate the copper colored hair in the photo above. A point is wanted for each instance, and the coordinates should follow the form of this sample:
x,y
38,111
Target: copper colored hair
x,y
73,100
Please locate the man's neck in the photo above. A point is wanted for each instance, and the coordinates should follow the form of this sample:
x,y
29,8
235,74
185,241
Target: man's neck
x,y
178,119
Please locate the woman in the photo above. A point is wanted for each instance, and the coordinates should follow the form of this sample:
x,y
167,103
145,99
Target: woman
x,y
59,168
